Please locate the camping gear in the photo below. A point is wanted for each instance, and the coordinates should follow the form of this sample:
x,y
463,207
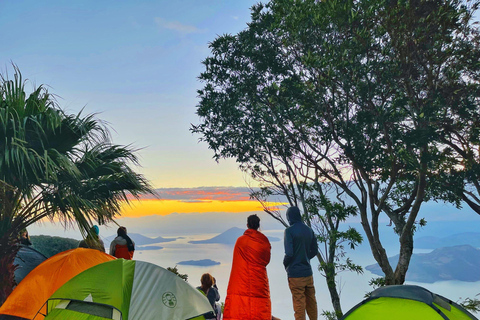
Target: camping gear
x,y
407,302
30,294
26,260
126,290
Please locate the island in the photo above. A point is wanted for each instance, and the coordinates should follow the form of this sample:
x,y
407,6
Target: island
x,y
228,237
446,263
199,263
143,248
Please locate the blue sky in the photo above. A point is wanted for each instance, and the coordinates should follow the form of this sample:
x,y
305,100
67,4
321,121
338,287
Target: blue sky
x,y
134,63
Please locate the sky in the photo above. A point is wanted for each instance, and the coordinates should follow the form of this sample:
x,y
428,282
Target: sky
x,y
135,64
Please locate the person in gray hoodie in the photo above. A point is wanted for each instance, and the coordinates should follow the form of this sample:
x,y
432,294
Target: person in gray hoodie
x,y
300,246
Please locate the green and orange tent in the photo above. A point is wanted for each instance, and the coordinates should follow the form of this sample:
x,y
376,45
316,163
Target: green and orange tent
x,y
407,302
126,290
31,293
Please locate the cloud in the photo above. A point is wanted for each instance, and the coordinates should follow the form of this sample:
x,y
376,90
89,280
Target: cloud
x,y
177,26
202,194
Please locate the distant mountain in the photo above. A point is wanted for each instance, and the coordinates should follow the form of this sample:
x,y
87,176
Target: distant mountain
x,y
140,240
447,263
200,263
228,237
471,238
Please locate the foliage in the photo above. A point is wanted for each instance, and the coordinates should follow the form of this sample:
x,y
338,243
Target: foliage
x,y
329,315
375,283
471,304
50,246
371,96
56,166
175,270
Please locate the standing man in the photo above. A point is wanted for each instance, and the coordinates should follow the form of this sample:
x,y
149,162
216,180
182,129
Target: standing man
x,y
300,246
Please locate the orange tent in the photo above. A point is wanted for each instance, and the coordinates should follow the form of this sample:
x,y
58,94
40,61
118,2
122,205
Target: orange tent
x,y
248,292
32,292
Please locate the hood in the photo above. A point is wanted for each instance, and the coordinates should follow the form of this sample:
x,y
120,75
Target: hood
x,y
293,215
120,240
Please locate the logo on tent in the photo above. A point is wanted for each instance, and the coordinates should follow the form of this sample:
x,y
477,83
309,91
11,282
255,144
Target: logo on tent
x,y
169,300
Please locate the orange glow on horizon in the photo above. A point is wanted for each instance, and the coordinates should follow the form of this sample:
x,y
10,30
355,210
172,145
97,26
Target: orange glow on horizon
x,y
165,207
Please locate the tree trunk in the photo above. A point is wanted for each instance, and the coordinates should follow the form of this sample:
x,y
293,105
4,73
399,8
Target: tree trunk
x,y
406,251
332,288
8,251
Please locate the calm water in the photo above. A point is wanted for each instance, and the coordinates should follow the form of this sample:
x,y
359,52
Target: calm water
x,y
353,287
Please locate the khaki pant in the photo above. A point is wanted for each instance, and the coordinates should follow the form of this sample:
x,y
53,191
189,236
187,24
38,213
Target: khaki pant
x,y
303,296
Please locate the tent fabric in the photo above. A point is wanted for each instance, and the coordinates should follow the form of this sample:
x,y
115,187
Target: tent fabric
x,y
26,260
407,302
139,290
30,295
248,293
72,315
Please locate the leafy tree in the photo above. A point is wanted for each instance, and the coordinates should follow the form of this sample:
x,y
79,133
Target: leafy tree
x,y
50,246
175,270
362,91
55,165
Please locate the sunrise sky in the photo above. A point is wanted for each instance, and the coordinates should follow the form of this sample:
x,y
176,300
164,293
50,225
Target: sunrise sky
x,y
136,64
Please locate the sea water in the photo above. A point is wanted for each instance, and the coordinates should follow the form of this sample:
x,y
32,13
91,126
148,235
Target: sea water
x,y
352,287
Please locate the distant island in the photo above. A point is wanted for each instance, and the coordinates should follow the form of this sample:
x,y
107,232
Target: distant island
x,y
228,237
201,263
471,238
447,263
148,248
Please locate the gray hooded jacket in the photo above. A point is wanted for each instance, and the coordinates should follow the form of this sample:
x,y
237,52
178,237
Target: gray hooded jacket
x,y
300,246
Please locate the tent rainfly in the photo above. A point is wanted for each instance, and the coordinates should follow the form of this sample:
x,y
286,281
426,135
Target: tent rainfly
x,y
31,293
126,290
407,302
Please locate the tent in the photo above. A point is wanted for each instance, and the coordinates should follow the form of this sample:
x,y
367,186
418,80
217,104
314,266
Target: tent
x,y
27,259
30,294
407,302
126,290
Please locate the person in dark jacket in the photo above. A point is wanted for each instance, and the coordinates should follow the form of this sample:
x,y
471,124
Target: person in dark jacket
x,y
300,246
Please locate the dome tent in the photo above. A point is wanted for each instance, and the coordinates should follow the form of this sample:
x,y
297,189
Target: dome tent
x,y
407,302
126,290
31,293
26,260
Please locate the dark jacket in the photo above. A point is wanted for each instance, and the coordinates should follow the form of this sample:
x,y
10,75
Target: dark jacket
x,y
300,246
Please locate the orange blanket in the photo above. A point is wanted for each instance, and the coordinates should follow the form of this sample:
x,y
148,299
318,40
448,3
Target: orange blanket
x,y
248,292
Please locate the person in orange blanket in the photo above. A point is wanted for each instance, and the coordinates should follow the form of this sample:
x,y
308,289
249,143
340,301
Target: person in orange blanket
x,y
248,291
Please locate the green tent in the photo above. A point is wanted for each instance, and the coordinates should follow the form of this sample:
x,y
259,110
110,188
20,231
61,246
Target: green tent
x,y
126,290
407,302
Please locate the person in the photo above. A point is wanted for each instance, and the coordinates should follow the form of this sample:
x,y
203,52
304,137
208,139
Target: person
x,y
209,289
248,292
24,238
300,246
122,246
93,240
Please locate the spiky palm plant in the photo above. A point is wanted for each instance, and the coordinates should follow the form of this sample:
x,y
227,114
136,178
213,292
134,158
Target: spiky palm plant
x,y
56,166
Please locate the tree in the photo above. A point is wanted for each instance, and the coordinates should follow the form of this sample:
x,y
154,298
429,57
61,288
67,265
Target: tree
x,y
181,275
56,166
362,91
50,246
